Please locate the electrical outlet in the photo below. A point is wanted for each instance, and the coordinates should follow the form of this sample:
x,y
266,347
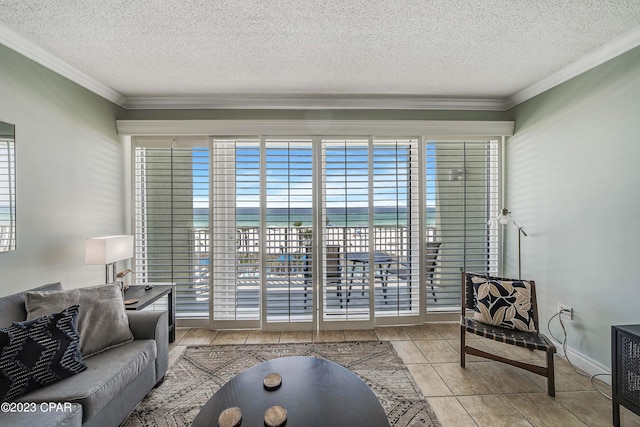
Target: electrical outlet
x,y
566,312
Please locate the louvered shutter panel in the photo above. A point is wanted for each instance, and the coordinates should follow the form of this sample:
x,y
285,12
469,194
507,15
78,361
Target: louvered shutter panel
x,y
236,229
7,193
345,218
462,193
172,219
289,232
396,226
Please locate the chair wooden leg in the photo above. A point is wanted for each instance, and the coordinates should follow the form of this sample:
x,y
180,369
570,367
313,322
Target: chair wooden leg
x,y
462,346
551,383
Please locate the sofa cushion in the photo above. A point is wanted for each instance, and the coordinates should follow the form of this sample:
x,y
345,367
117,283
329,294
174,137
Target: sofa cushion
x,y
39,352
107,374
45,414
102,323
12,306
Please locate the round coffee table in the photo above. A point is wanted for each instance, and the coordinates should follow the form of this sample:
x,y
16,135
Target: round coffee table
x,y
315,392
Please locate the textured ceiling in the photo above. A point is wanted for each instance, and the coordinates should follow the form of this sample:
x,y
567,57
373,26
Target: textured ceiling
x,y
445,48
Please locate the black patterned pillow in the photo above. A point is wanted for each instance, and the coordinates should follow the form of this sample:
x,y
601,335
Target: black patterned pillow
x,y
38,352
504,303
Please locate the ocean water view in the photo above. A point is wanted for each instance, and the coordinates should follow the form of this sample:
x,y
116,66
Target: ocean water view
x,y
336,217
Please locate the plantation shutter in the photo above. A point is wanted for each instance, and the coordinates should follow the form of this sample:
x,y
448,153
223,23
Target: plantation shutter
x,y
345,219
235,230
462,186
289,233
7,190
396,226
172,218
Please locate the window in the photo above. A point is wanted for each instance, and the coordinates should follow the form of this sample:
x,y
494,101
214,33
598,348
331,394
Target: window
x,y
265,231
7,188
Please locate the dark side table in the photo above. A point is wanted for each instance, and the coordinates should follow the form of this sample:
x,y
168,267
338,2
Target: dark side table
x,y
625,369
147,297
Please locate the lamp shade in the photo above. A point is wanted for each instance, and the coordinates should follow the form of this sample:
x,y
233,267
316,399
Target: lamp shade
x,y
108,249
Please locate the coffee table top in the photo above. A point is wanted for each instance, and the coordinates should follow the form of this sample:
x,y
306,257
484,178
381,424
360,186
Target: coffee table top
x,y
315,392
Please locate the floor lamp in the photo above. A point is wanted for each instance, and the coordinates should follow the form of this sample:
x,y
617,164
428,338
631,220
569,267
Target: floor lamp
x,y
505,218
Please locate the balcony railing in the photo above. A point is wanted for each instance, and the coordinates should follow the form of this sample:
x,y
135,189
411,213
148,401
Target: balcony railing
x,y
289,252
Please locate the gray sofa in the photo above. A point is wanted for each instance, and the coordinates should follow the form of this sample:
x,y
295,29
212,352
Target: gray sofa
x,y
114,382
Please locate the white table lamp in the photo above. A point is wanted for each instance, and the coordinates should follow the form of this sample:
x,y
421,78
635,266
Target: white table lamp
x,y
107,251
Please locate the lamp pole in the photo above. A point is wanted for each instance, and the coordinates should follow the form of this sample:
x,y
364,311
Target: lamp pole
x,y
520,233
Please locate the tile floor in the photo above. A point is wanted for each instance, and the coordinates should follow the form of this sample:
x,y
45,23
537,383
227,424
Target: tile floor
x,y
486,393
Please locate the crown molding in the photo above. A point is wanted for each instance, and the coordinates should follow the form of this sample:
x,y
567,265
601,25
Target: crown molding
x,y
429,128
606,52
27,48
323,102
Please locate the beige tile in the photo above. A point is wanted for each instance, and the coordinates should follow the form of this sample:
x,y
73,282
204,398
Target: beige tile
x,y
450,412
391,333
180,332
492,410
474,342
463,381
628,418
578,381
197,336
590,407
511,351
500,349
409,352
449,330
423,332
291,337
438,351
360,335
230,337
566,378
506,379
175,353
259,337
328,336
428,380
543,411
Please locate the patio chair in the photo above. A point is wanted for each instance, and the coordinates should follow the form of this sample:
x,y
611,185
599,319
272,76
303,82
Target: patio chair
x,y
333,270
403,270
504,310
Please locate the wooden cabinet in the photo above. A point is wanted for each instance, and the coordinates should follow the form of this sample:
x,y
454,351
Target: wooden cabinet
x,y
625,369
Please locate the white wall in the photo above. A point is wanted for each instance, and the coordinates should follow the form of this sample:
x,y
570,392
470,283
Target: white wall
x,y
574,185
69,175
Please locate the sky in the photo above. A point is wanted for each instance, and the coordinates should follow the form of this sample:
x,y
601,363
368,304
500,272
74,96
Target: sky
x,y
289,178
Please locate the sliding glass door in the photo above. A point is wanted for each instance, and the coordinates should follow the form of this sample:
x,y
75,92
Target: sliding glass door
x,y
314,232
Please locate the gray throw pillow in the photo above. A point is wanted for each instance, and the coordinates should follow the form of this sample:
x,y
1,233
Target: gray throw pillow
x,y
102,321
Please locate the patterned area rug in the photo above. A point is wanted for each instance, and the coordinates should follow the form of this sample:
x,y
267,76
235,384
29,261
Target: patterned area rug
x,y
202,370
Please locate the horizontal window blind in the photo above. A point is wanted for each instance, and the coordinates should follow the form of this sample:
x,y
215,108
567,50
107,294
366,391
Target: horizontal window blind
x,y
289,229
345,237
7,194
461,195
172,219
396,227
235,233
233,219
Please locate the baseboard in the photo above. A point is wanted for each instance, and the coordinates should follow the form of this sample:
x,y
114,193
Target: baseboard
x,y
585,363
